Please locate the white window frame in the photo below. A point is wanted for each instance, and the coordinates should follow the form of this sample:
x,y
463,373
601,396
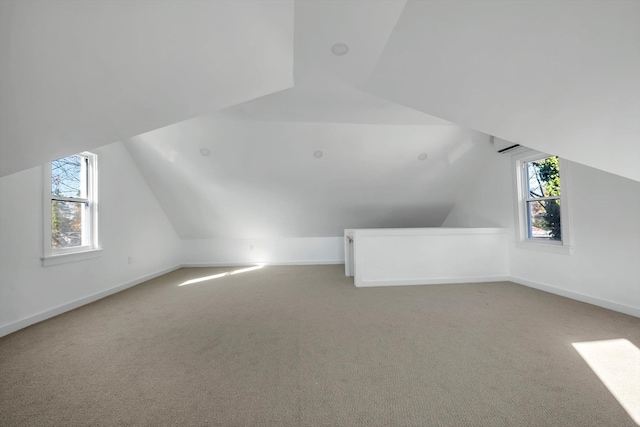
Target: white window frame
x,y
523,241
90,246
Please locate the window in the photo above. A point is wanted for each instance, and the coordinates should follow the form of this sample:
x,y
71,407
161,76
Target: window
x,y
542,220
71,215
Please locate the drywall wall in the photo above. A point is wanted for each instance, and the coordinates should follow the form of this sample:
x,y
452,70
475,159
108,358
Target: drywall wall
x,y
310,250
423,256
605,228
131,224
261,179
487,201
559,76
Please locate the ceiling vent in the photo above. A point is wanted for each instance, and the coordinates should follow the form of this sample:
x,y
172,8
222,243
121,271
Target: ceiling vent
x,y
503,146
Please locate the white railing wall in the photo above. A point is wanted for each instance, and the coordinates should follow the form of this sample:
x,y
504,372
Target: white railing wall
x,y
422,256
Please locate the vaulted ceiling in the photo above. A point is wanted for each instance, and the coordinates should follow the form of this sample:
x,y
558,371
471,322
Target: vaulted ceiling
x,y
256,85
77,75
559,76
263,179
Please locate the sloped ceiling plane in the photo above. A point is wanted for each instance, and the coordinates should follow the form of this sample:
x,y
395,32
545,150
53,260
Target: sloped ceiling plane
x,y
401,120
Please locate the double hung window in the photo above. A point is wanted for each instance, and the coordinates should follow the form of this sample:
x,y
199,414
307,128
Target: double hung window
x,y
71,215
542,219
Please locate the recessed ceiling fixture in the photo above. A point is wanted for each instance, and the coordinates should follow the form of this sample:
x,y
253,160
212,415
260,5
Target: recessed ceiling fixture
x,y
318,154
339,49
422,156
205,152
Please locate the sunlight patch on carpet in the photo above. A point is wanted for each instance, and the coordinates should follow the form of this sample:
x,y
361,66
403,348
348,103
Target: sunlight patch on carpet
x,y
220,275
617,364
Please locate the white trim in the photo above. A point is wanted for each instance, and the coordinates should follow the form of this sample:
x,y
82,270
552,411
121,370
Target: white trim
x,y
349,245
441,281
63,258
46,210
544,247
91,243
92,186
266,263
47,314
565,182
519,160
576,296
610,305
425,231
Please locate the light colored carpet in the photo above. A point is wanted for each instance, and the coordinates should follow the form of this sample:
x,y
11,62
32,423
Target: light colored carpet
x,y
301,346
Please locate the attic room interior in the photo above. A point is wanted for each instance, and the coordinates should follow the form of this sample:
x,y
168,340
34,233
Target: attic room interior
x,y
306,213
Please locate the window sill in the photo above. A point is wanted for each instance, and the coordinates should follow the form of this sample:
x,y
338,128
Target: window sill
x,y
545,247
71,257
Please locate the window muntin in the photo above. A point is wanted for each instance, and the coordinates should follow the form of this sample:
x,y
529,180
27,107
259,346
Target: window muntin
x,y
71,220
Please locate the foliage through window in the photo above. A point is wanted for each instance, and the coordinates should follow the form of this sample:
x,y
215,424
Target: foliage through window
x,y
542,199
73,203
542,219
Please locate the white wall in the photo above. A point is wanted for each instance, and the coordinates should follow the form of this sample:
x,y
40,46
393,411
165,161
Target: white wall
x,y
261,179
423,256
605,227
488,201
604,268
308,250
131,224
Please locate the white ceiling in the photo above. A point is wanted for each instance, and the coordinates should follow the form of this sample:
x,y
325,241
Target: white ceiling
x,y
364,26
562,77
559,76
77,75
262,179
328,101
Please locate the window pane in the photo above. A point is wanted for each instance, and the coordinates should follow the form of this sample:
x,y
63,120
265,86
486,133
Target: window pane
x,y
66,224
544,220
68,177
543,177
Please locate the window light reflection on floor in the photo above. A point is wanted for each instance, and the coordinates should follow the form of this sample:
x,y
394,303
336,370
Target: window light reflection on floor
x,y
218,276
617,364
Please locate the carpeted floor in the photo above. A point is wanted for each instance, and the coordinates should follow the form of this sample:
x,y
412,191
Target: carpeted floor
x,y
301,346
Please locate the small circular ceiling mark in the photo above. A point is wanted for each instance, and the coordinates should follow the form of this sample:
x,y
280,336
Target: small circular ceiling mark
x,y
422,156
205,152
318,154
339,49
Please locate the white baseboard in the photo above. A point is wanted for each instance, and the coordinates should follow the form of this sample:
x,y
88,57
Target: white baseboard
x,y
47,314
247,263
441,281
622,308
28,321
